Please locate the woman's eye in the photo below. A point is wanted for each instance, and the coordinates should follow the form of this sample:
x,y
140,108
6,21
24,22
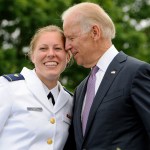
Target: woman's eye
x,y
42,48
58,48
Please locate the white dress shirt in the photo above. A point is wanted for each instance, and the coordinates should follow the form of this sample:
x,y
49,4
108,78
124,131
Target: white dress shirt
x,y
54,91
103,64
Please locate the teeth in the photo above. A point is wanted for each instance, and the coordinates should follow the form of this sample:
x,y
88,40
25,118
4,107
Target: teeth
x,y
50,63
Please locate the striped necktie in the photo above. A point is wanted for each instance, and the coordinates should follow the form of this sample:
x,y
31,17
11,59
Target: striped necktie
x,y
90,94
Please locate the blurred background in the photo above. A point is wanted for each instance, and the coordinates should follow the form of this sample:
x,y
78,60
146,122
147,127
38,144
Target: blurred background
x,y
19,19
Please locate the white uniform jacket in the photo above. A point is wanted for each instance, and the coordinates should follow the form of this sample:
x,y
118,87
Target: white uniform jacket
x,y
27,120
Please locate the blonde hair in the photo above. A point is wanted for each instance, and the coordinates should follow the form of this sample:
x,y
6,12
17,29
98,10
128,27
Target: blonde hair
x,y
89,14
50,28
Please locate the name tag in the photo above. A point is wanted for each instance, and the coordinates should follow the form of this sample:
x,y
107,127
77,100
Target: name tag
x,y
34,109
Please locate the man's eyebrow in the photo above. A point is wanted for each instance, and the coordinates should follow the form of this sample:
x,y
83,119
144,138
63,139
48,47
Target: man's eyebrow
x,y
70,36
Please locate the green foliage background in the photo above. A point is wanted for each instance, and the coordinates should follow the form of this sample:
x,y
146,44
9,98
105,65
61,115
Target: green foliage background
x,y
19,19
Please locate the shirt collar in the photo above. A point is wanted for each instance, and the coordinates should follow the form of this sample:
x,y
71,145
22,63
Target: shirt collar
x,y
54,91
106,58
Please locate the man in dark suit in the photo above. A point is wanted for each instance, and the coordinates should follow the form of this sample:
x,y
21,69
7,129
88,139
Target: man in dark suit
x,y
119,116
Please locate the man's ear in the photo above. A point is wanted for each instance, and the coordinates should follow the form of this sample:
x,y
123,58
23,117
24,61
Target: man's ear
x,y
69,58
69,55
96,32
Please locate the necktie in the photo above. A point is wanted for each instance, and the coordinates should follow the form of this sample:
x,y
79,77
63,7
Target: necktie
x,y
50,95
90,94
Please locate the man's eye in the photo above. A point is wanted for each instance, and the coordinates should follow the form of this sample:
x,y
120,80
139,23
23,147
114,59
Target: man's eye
x,y
70,38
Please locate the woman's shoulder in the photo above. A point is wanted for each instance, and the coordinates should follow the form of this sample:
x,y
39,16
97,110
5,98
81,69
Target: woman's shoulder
x,y
8,78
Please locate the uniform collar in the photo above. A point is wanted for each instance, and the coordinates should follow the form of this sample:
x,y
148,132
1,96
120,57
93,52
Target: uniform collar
x,y
54,91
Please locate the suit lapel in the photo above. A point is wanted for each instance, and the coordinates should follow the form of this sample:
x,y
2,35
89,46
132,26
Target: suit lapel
x,y
114,68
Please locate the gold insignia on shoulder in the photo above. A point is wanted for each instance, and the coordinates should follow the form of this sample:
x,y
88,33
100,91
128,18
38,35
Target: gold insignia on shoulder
x,y
16,75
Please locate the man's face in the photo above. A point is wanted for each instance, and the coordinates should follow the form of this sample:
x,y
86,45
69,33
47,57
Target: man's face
x,y
80,43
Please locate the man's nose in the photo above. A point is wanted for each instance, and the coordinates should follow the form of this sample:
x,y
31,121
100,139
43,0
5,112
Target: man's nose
x,y
68,45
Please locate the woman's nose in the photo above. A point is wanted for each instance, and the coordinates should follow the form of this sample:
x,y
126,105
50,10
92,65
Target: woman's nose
x,y
50,52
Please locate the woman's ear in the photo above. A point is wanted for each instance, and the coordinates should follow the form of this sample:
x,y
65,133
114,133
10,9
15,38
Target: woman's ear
x,y
96,32
32,58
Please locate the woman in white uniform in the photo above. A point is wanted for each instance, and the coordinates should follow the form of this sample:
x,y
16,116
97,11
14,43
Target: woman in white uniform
x,y
29,120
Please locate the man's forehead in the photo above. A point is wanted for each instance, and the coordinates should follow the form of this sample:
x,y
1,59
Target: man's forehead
x,y
71,29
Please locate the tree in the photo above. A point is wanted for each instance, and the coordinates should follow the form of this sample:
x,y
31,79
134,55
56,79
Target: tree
x,y
20,19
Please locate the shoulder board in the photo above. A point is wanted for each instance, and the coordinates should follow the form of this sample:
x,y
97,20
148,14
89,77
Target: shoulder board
x,y
14,77
68,91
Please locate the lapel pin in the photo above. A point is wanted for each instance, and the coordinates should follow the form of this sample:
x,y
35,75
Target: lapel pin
x,y
113,72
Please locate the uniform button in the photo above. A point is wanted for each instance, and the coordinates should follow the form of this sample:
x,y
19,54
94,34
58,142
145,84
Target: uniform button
x,y
49,141
52,120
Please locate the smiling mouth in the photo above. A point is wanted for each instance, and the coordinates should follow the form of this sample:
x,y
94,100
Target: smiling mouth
x,y
51,64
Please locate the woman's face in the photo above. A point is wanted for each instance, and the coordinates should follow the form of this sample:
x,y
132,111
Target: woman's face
x,y
49,56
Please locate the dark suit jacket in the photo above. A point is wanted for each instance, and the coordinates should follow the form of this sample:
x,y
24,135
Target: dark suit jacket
x,y
120,113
